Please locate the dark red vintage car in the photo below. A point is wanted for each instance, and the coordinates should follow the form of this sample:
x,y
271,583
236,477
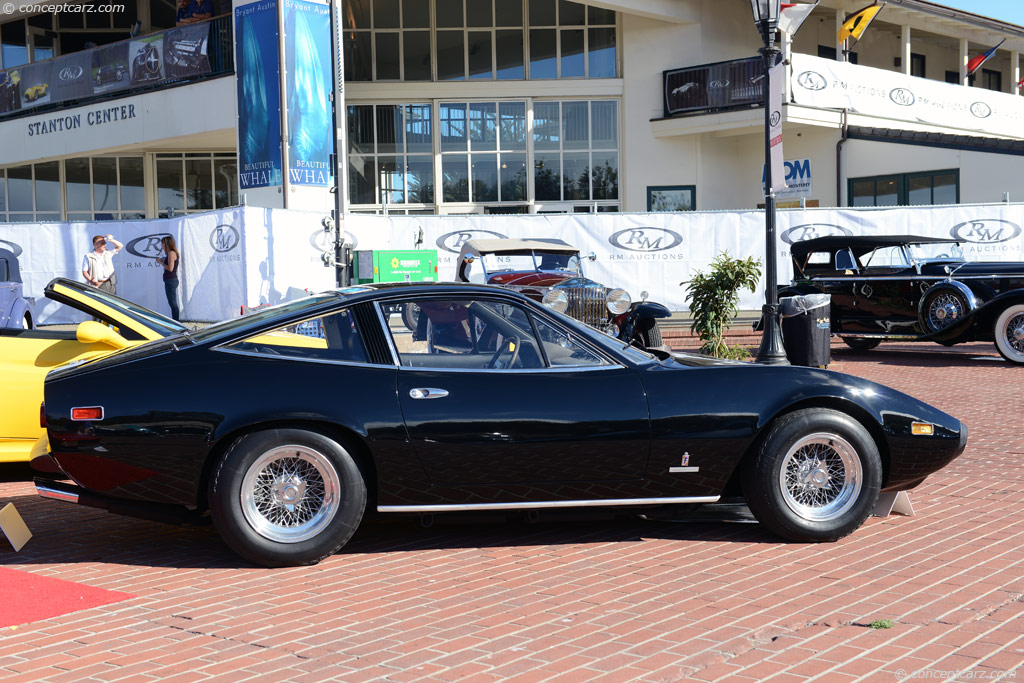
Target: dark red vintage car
x,y
551,271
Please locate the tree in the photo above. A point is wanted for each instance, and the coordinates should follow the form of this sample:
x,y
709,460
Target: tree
x,y
713,299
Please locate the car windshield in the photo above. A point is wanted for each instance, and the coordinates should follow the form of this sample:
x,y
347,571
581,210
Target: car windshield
x,y
289,307
936,251
532,260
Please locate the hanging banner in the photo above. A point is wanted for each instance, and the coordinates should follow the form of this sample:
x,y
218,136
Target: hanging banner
x,y
110,68
147,55
307,28
776,74
259,95
713,86
10,90
72,77
186,51
828,84
36,82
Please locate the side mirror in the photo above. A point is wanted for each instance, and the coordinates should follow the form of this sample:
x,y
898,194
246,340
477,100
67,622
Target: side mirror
x,y
92,332
592,256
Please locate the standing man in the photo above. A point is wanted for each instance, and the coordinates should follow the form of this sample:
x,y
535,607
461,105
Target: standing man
x,y
98,264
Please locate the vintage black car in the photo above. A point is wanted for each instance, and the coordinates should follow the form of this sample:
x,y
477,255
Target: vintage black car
x,y
907,288
289,423
110,72
551,271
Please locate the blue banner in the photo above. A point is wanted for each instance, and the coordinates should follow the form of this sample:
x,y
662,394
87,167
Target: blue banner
x,y
309,84
259,95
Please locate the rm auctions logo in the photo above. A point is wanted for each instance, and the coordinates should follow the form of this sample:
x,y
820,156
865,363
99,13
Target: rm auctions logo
x,y
808,231
70,73
323,240
811,80
985,231
224,238
719,84
147,246
981,110
902,97
645,239
14,248
453,241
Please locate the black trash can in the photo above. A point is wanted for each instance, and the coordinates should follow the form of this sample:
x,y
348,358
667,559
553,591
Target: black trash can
x,y
806,329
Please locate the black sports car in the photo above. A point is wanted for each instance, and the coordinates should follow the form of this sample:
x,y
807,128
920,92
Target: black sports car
x,y
288,423
907,288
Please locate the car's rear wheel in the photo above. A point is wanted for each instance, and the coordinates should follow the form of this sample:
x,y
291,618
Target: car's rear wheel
x,y
649,337
411,316
861,343
286,497
815,477
1009,333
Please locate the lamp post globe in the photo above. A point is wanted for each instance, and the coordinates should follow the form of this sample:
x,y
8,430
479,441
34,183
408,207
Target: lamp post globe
x,y
771,352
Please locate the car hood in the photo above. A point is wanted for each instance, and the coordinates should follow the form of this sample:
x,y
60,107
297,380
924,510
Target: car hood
x,y
530,279
133,322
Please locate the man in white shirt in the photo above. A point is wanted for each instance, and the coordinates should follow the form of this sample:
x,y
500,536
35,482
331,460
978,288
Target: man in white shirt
x,y
98,264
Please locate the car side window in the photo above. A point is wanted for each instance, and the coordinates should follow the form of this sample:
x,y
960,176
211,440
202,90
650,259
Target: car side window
x,y
562,351
845,260
467,334
333,337
887,257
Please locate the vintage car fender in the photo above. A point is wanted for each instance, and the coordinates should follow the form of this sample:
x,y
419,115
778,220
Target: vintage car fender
x,y
639,312
959,289
985,316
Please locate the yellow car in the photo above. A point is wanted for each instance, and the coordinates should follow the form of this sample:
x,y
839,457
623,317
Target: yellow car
x,y
27,355
36,91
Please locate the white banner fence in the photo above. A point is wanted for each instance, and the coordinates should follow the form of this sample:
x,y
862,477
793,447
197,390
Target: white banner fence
x,y
251,256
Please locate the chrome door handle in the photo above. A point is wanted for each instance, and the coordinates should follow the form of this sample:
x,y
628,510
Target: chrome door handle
x,y
428,392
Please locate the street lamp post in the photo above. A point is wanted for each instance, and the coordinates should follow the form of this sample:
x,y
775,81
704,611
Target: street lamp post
x,y
771,352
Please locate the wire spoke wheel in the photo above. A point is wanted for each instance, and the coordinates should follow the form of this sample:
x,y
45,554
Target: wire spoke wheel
x,y
944,310
290,493
821,477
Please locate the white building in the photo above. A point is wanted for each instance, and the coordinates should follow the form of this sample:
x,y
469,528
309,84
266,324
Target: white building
x,y
532,106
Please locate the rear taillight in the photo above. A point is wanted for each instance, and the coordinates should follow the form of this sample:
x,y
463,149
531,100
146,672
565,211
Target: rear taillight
x,y
89,413
42,415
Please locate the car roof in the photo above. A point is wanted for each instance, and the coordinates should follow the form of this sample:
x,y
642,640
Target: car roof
x,y
13,269
499,245
859,243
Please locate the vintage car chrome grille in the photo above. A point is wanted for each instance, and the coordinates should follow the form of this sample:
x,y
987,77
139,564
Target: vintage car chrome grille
x,y
586,301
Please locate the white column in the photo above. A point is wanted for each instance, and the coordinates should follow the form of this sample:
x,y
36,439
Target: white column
x,y
1015,72
787,51
963,61
905,32
840,55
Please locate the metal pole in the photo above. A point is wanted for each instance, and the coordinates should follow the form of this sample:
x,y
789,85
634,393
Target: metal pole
x,y
342,276
771,351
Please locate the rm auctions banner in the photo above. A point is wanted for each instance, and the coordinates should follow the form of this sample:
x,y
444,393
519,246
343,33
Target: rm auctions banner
x,y
249,256
826,83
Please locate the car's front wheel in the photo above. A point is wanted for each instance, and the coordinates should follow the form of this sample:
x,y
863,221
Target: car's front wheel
x,y
861,343
815,477
286,497
649,337
1009,333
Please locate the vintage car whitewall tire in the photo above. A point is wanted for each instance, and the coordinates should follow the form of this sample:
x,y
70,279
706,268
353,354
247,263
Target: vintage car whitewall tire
x,y
946,304
815,477
286,497
1009,333
861,343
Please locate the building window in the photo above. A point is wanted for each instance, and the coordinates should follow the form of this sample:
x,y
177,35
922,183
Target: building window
x,y
953,77
391,154
671,197
992,80
33,193
906,189
194,182
484,154
104,188
917,65
454,40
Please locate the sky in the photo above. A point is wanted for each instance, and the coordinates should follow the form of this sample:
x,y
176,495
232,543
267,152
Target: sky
x,y
1011,11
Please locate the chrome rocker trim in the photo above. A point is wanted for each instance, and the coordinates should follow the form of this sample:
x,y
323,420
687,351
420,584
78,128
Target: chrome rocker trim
x,y
546,504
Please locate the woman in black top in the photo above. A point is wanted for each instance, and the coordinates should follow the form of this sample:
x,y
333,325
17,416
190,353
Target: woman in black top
x,y
170,261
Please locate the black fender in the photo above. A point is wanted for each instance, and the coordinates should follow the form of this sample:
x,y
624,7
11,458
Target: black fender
x,y
641,315
984,318
959,331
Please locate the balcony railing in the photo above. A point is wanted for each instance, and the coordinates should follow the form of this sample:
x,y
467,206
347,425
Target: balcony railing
x,y
157,60
713,87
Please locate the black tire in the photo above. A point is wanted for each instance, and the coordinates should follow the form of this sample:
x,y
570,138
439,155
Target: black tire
x,y
260,470
1008,333
26,322
942,307
815,443
649,337
861,343
410,316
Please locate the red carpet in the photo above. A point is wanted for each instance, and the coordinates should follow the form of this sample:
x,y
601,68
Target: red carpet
x,y
26,597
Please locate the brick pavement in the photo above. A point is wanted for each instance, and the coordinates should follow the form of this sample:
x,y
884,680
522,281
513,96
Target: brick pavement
x,y
592,599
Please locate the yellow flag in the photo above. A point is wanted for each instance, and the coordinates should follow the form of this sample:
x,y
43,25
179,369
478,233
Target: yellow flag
x,y
857,23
